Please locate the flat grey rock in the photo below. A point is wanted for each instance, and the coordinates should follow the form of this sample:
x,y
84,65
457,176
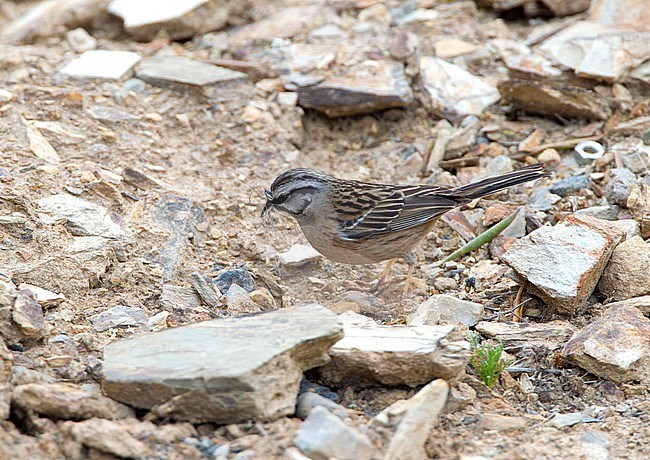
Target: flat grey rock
x,y
308,401
102,64
179,297
360,91
225,370
110,115
520,336
395,355
166,71
82,218
323,436
120,315
546,99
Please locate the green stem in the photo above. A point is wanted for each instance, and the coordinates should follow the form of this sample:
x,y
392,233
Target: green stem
x,y
480,240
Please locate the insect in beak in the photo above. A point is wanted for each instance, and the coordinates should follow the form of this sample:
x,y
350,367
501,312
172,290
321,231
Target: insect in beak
x,y
268,205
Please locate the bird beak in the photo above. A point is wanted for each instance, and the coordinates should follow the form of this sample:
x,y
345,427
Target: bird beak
x,y
268,205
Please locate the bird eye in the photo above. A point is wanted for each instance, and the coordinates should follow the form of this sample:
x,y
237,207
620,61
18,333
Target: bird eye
x,y
268,194
280,199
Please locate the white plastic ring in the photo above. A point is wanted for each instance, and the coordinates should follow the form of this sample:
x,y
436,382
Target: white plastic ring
x,y
590,150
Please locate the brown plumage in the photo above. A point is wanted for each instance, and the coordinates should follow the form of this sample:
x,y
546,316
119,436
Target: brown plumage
x,y
362,223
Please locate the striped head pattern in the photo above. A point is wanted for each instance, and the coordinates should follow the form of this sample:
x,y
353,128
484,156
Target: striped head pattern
x,y
295,190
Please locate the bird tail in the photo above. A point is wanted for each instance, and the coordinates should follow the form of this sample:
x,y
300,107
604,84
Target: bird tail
x,y
495,183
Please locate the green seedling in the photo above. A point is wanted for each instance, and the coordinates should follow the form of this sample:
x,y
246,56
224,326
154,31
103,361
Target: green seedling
x,y
486,359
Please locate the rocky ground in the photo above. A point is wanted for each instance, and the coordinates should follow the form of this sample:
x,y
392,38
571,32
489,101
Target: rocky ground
x,y
136,142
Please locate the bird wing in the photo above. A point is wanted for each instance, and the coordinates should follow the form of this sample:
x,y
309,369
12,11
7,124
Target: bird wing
x,y
391,209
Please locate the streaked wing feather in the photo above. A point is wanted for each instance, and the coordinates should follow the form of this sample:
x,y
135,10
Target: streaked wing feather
x,y
405,207
424,204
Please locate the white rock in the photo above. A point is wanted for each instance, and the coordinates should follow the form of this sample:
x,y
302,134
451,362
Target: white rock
x,y
563,263
44,297
299,255
328,31
179,19
289,99
80,40
143,12
413,420
118,316
237,296
324,435
83,218
6,96
103,64
419,15
447,309
451,90
598,51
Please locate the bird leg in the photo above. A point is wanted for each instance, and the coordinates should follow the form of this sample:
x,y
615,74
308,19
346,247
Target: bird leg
x,y
377,286
384,274
411,260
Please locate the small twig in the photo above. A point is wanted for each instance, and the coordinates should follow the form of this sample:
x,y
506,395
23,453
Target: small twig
x,y
501,313
519,309
261,430
480,240
553,145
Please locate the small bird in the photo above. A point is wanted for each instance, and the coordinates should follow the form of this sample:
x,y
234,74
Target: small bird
x,y
355,222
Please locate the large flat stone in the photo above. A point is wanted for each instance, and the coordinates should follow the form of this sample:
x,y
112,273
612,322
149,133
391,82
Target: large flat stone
x,y
223,371
168,71
144,19
363,91
563,263
616,346
395,355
